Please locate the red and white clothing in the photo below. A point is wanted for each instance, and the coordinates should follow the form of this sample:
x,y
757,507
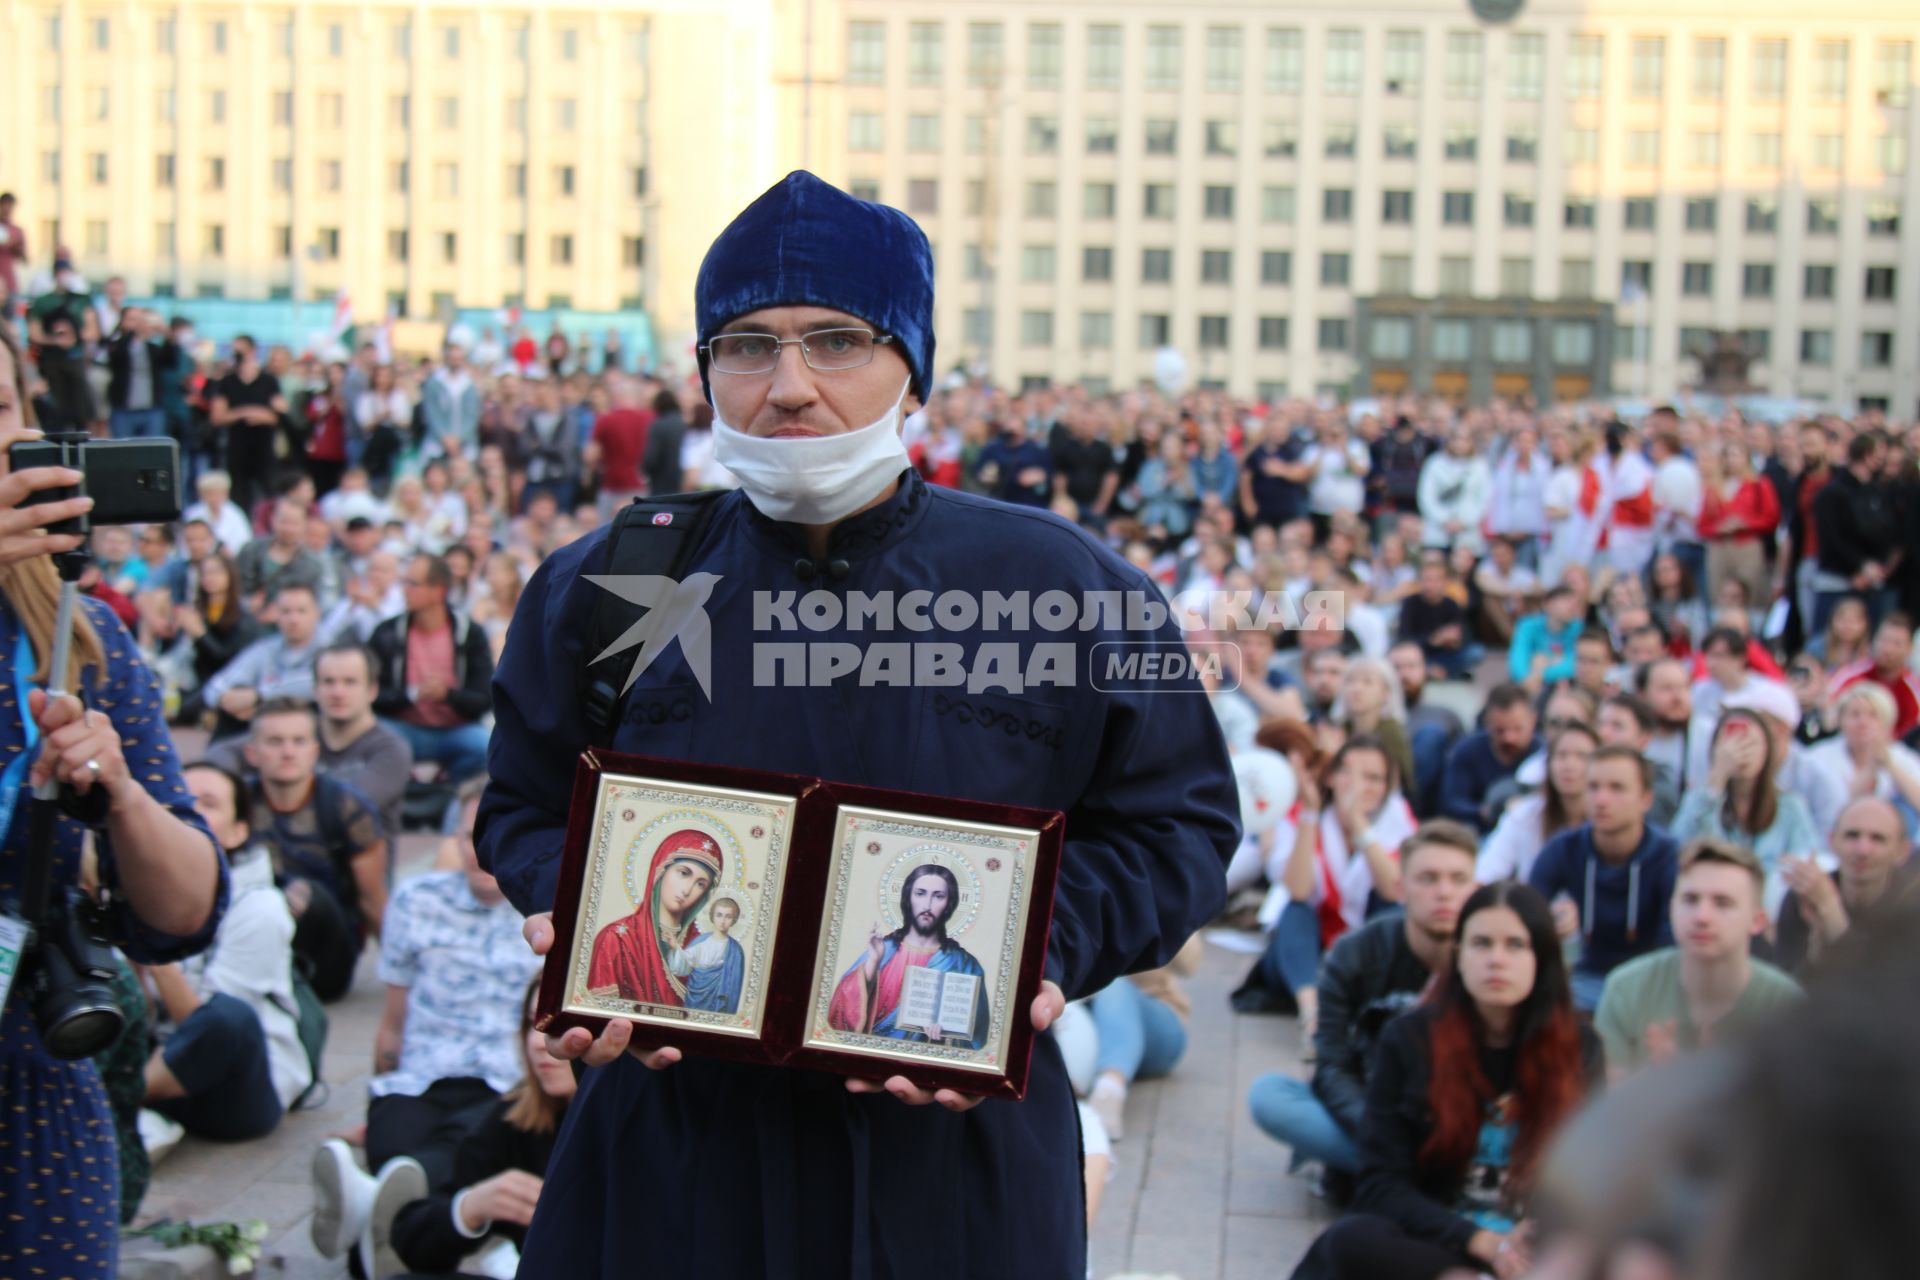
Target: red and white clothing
x,y
1575,506
1676,501
1342,876
1902,685
1629,537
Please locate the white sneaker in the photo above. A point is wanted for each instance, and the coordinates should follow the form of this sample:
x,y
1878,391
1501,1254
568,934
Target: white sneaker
x,y
401,1182
1109,1102
342,1199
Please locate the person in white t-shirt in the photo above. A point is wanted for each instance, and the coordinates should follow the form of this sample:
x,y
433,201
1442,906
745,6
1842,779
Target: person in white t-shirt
x,y
228,522
1339,464
1676,500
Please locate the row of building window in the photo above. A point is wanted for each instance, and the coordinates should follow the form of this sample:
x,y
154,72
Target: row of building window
x,y
1450,341
1402,71
329,110
563,179
1280,140
1159,202
325,246
1039,265
329,39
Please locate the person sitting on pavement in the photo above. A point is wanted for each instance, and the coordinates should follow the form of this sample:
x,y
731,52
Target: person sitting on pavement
x,y
331,854
275,666
1609,879
455,967
1142,1023
1707,987
436,674
1467,1092
231,1061
1489,756
1332,868
499,1169
1372,974
1877,870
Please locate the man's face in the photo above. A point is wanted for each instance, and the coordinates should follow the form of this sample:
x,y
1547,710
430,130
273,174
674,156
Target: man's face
x,y
421,593
1410,665
289,522
796,400
1562,609
1615,799
1643,647
1716,911
1869,840
480,882
1617,725
1511,730
199,540
930,902
1670,693
1591,660
214,800
1727,666
362,540
1438,882
284,748
341,686
1433,581
297,615
1892,646
1325,671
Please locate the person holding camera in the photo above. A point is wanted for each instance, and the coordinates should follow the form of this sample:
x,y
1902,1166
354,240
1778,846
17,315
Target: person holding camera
x,y
163,879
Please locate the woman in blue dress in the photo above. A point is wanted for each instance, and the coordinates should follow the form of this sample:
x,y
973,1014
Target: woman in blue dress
x,y
165,880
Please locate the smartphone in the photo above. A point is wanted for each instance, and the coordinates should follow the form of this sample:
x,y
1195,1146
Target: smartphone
x,y
130,481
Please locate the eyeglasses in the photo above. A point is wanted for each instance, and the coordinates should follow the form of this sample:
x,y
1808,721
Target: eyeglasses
x,y
824,350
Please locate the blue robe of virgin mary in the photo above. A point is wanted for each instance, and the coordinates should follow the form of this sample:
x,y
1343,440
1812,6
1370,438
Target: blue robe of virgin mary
x,y
717,989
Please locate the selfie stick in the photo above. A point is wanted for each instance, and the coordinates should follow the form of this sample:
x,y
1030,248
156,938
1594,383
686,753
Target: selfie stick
x,y
46,796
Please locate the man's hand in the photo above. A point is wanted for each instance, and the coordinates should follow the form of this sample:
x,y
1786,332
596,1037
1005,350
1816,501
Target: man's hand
x,y
505,1197
1047,1006
1566,917
431,689
1661,1039
240,702
578,1042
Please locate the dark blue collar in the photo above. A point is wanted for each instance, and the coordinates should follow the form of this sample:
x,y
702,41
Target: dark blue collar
x,y
858,537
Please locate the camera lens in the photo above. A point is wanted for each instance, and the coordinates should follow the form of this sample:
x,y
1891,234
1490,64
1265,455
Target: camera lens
x,y
82,1030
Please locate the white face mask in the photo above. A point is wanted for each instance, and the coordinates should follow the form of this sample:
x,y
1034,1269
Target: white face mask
x,y
814,479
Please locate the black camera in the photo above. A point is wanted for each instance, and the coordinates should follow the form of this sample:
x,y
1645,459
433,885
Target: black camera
x,y
69,979
130,481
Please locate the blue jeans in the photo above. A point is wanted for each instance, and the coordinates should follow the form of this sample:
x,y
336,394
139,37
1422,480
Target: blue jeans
x,y
1292,957
133,424
462,748
1139,1035
1287,1111
1587,987
219,1056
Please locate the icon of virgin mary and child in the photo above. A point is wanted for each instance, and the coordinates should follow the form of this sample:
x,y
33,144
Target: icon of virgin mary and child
x,y
658,955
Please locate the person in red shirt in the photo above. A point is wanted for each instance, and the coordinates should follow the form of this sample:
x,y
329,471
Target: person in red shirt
x,y
436,674
618,442
1739,512
326,415
1886,666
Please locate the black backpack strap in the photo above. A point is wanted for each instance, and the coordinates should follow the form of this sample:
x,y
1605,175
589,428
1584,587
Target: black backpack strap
x,y
650,536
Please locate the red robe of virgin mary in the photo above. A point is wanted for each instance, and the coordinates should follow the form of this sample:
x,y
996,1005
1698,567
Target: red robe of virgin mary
x,y
630,955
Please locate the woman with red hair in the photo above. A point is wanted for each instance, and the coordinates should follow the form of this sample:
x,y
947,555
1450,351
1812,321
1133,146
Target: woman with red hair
x,y
1467,1090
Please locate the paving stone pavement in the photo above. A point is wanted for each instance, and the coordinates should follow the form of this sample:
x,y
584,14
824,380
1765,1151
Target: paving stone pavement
x,y
1197,1193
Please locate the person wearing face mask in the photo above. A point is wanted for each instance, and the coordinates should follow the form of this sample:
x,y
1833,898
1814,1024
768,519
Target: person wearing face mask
x,y
814,312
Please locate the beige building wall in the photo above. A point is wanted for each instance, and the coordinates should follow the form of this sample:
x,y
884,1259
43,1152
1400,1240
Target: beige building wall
x,y
974,168
297,184
423,155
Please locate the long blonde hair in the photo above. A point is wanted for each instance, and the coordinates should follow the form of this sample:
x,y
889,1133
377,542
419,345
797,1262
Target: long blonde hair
x,y
32,586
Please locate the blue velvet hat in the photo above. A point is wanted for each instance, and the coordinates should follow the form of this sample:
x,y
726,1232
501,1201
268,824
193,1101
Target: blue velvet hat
x,y
808,243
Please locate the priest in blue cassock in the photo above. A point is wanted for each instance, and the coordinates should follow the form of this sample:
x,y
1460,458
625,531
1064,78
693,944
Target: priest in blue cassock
x,y
815,318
